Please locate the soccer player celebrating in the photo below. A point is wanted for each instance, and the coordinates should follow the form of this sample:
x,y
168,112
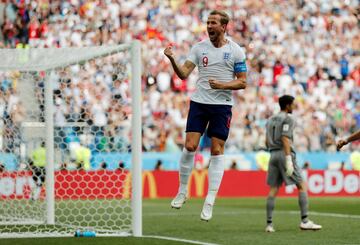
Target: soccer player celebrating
x,y
282,165
351,138
222,68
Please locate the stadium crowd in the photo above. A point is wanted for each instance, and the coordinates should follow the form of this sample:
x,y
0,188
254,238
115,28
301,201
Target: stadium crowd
x,y
309,49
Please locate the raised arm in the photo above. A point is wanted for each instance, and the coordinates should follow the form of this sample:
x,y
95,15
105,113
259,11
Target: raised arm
x,y
182,71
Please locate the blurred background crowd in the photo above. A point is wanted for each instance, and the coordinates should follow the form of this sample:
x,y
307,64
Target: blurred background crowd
x,y
309,49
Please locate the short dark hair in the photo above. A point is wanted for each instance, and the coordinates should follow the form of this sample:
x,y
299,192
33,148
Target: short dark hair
x,y
285,100
224,20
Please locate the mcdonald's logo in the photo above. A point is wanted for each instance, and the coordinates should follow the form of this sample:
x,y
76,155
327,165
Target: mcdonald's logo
x,y
198,177
151,183
146,175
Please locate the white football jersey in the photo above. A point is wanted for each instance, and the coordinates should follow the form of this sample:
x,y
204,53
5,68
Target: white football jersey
x,y
219,64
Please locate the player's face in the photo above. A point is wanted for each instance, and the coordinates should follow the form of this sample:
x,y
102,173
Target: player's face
x,y
214,27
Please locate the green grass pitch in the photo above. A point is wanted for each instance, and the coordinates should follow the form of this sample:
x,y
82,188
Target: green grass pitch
x,y
235,221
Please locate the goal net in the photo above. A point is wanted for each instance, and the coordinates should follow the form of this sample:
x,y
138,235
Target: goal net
x,y
70,141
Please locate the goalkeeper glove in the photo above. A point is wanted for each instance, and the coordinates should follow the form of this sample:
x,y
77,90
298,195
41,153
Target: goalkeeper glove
x,y
289,166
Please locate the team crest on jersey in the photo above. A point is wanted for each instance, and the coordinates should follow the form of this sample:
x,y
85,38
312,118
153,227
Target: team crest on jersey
x,y
226,56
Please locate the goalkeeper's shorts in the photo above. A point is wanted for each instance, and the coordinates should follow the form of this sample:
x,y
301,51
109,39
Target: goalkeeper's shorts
x,y
277,173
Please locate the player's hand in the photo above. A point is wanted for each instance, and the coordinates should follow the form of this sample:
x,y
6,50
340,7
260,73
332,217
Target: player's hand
x,y
340,144
289,166
215,84
168,52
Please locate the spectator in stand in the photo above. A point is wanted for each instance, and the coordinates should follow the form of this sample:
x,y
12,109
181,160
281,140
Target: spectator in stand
x,y
306,165
233,165
82,157
103,166
121,166
158,165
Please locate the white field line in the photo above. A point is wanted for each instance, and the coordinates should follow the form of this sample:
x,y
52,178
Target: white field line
x,y
180,240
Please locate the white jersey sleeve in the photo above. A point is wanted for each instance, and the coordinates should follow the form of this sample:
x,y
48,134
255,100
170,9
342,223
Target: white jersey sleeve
x,y
240,60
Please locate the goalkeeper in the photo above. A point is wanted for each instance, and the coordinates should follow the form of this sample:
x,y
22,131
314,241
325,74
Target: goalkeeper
x,y
282,165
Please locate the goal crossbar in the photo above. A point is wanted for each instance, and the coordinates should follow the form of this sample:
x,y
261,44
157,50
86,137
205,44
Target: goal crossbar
x,y
51,58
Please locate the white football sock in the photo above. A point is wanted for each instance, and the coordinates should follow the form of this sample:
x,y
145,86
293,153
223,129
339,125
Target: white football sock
x,y
186,165
216,172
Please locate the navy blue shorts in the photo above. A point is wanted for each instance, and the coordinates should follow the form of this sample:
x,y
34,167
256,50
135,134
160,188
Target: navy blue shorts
x,y
216,118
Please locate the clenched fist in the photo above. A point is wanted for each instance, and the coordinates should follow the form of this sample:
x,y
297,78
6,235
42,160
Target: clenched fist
x,y
168,52
340,144
215,84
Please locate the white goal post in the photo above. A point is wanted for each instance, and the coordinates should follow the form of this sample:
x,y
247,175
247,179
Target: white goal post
x,y
82,106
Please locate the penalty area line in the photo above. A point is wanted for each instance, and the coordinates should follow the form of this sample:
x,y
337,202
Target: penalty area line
x,y
180,240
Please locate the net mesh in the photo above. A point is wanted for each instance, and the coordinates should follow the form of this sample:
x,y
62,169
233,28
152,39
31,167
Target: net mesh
x,y
92,112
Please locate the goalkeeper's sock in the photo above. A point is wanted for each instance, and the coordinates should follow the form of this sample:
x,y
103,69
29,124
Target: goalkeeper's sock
x,y
303,203
186,165
216,172
270,204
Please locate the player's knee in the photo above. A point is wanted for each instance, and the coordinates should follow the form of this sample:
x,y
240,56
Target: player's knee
x,y
217,150
217,153
191,147
273,191
302,187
